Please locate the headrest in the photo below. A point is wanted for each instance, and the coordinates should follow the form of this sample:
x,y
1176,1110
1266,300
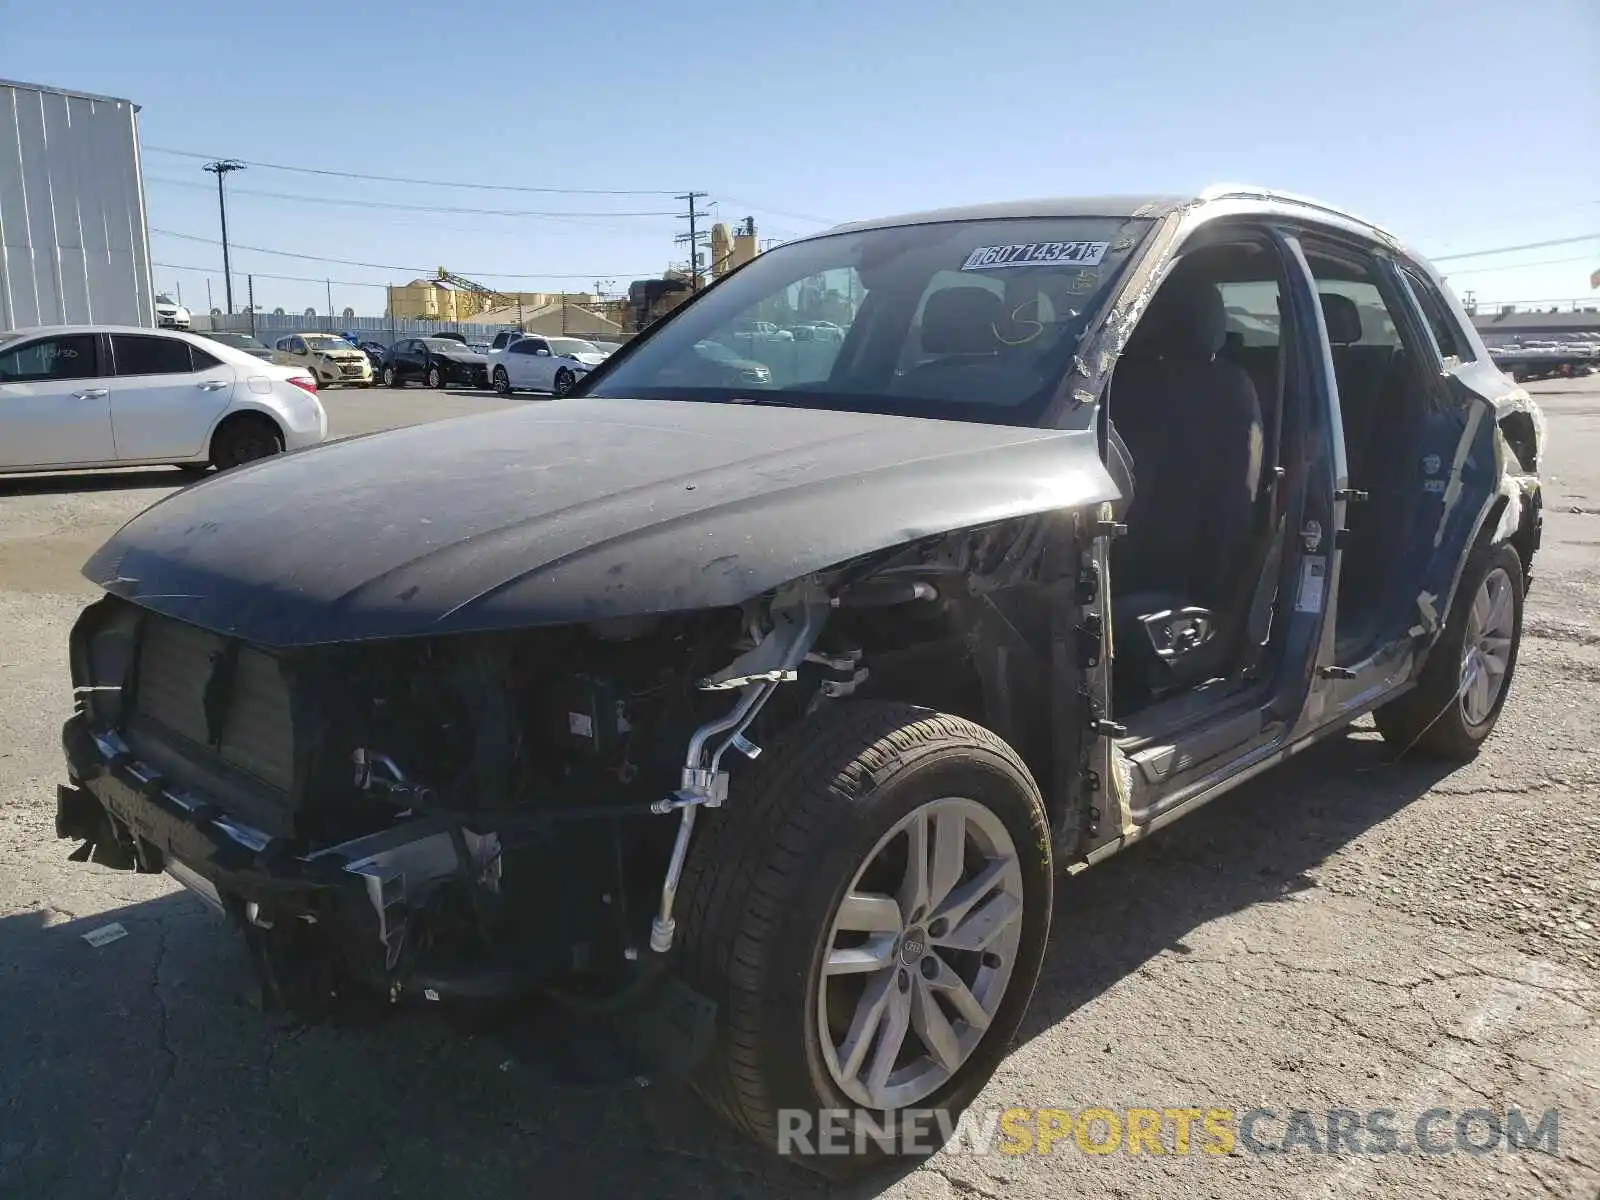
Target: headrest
x,y
960,320
1185,320
1342,317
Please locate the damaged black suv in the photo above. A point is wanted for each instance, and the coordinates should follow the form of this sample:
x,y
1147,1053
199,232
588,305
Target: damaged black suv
x,y
788,697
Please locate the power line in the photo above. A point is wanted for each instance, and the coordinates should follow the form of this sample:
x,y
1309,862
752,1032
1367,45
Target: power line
x,y
1543,262
348,262
778,211
422,208
487,187
1569,241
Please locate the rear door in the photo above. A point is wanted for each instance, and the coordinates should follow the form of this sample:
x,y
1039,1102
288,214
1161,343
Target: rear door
x,y
165,396
54,404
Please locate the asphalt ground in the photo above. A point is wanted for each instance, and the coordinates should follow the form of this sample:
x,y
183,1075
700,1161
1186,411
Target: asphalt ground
x,y
1344,933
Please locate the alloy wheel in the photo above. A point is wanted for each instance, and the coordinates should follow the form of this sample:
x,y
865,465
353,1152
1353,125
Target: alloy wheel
x,y
1486,648
919,953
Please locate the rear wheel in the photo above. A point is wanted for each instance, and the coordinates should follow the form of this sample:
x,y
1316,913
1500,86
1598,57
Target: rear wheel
x,y
244,438
869,912
435,378
502,381
564,381
1464,685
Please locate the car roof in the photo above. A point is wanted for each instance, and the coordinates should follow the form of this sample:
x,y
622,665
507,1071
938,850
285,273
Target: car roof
x,y
1153,205
47,330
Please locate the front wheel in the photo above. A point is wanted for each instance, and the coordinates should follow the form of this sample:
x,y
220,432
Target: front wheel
x,y
435,378
564,381
869,912
1467,677
390,378
502,381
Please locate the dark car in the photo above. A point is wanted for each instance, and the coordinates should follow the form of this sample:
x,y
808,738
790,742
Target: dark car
x,y
435,361
766,711
241,341
376,352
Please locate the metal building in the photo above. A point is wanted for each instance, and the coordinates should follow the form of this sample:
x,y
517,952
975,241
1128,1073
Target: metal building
x,y
73,243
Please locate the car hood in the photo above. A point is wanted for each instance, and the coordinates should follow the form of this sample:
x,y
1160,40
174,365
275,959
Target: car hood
x,y
461,356
572,511
588,358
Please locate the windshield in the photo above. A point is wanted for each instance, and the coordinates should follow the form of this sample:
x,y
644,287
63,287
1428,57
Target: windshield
x,y
572,346
241,340
444,345
325,342
966,320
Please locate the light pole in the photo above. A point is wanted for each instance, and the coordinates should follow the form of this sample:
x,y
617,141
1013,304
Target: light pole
x,y
220,168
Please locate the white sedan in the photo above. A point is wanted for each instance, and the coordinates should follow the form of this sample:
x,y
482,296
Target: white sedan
x,y
77,396
543,364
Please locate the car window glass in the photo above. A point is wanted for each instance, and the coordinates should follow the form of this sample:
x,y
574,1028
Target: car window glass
x,y
1447,334
68,357
135,354
1254,318
297,346
201,361
1378,325
976,319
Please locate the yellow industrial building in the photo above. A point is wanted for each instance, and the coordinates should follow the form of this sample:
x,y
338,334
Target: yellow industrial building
x,y
435,300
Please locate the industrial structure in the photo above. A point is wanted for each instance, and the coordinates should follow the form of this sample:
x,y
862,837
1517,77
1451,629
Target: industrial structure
x,y
74,247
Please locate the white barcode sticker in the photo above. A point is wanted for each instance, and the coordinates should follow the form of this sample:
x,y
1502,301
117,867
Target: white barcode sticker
x,y
105,935
1313,580
1036,254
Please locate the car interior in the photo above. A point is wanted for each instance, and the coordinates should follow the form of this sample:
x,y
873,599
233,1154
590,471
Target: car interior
x,y
1384,395
1197,407
1201,408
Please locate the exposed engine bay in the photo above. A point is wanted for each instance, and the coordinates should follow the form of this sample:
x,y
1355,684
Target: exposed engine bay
x,y
485,815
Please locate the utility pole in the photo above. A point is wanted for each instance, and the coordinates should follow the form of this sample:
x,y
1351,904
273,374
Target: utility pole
x,y
250,283
220,168
692,238
329,284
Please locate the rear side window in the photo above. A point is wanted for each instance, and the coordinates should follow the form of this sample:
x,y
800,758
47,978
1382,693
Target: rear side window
x,y
69,357
1452,342
135,354
201,360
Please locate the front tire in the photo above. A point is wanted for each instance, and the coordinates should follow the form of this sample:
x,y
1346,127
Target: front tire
x,y
869,912
1464,684
563,383
435,378
502,381
390,378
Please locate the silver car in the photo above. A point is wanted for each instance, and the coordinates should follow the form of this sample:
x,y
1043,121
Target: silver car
x,y
75,396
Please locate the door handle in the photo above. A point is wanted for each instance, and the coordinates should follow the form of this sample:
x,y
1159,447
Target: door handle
x,y
90,394
212,385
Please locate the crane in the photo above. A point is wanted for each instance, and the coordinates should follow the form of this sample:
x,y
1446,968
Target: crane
x,y
460,282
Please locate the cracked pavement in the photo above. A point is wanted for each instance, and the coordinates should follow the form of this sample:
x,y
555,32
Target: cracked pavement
x,y
1344,932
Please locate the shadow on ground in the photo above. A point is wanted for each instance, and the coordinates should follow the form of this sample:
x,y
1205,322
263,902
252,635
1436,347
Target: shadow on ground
x,y
62,483
140,1069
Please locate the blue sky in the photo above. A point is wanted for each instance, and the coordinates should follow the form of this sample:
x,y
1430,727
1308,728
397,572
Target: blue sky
x,y
1462,126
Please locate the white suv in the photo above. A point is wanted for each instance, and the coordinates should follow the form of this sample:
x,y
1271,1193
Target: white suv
x,y
75,396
